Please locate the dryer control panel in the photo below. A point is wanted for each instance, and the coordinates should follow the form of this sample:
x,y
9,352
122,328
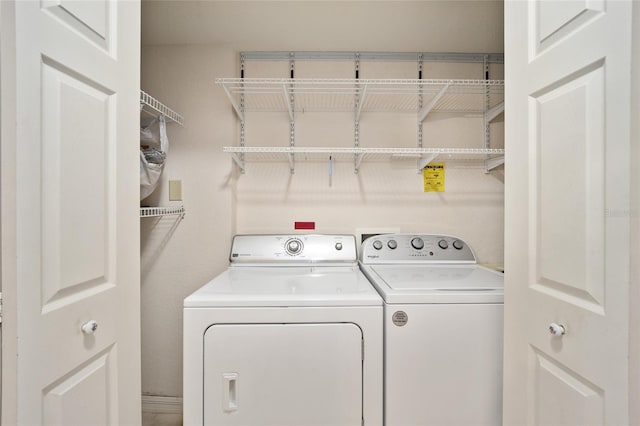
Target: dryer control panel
x,y
419,248
294,249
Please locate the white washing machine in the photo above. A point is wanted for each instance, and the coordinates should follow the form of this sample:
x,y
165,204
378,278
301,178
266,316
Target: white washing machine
x,y
290,334
443,330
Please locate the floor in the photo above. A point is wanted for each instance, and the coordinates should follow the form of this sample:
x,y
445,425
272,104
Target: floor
x,y
154,419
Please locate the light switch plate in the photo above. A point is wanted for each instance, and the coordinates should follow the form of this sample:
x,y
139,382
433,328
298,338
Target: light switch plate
x,y
175,190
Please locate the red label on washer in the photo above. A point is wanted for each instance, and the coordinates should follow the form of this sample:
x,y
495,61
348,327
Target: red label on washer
x,y
304,225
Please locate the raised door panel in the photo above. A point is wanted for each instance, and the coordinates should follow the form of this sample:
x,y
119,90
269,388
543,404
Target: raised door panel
x,y
83,396
563,397
567,128
77,165
283,375
555,20
94,20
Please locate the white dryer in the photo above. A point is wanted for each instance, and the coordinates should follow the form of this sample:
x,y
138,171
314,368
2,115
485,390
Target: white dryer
x,y
290,334
443,330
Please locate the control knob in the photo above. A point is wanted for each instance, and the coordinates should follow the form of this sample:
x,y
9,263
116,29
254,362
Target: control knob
x,y
417,243
457,244
294,246
377,245
392,244
443,244
338,246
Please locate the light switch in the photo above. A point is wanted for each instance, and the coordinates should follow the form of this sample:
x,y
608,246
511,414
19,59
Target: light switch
x,y
175,190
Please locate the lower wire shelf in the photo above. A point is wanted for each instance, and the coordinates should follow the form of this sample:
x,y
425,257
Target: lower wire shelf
x,y
162,211
491,157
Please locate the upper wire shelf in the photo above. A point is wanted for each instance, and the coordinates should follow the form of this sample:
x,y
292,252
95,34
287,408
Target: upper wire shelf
x,y
385,95
148,101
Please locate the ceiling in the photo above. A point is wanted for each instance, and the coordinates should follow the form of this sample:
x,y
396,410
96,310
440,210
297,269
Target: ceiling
x,y
393,26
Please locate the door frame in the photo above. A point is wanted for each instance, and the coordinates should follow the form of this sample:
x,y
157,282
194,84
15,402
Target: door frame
x,y
8,271
634,249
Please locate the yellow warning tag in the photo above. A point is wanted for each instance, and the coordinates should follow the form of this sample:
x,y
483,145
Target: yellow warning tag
x,y
433,175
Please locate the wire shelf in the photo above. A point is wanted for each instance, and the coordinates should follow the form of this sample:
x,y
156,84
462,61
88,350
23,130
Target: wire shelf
x,y
340,152
383,95
162,211
241,155
148,101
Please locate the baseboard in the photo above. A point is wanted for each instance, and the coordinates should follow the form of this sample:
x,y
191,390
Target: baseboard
x,y
161,404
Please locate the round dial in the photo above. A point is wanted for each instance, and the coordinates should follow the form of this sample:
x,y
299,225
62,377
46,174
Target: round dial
x,y
293,246
443,244
377,245
392,244
457,244
417,243
338,246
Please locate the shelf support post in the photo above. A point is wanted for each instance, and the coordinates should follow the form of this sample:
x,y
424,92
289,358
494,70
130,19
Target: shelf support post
x,y
487,124
292,112
420,88
356,118
240,161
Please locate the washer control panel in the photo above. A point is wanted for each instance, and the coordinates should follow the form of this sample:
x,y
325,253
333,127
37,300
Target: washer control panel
x,y
293,249
420,248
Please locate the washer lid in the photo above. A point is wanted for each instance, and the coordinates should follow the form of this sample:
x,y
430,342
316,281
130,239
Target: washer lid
x,y
286,286
465,283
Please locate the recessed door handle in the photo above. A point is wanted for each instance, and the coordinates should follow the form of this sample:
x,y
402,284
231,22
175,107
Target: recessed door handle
x,y
230,392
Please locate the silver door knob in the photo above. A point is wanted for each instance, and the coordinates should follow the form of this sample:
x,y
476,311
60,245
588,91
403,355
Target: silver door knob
x,y
89,327
557,329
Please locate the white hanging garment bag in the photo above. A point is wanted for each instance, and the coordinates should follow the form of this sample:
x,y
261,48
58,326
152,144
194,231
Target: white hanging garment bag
x,y
154,146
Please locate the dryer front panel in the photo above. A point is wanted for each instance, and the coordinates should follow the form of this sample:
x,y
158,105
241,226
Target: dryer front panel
x,y
283,374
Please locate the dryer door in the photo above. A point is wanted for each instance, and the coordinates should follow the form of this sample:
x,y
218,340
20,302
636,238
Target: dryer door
x,y
283,374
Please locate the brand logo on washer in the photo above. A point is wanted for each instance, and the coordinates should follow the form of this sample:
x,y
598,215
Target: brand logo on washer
x,y
399,318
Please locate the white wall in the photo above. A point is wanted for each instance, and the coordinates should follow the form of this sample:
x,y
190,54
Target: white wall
x,y
180,256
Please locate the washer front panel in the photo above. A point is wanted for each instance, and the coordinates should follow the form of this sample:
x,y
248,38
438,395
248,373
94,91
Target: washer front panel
x,y
443,364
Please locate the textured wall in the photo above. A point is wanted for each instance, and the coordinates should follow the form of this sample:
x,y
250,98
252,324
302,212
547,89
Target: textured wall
x,y
177,257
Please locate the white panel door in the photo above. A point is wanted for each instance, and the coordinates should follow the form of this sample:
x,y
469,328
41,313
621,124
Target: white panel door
x,y
283,375
76,204
566,216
